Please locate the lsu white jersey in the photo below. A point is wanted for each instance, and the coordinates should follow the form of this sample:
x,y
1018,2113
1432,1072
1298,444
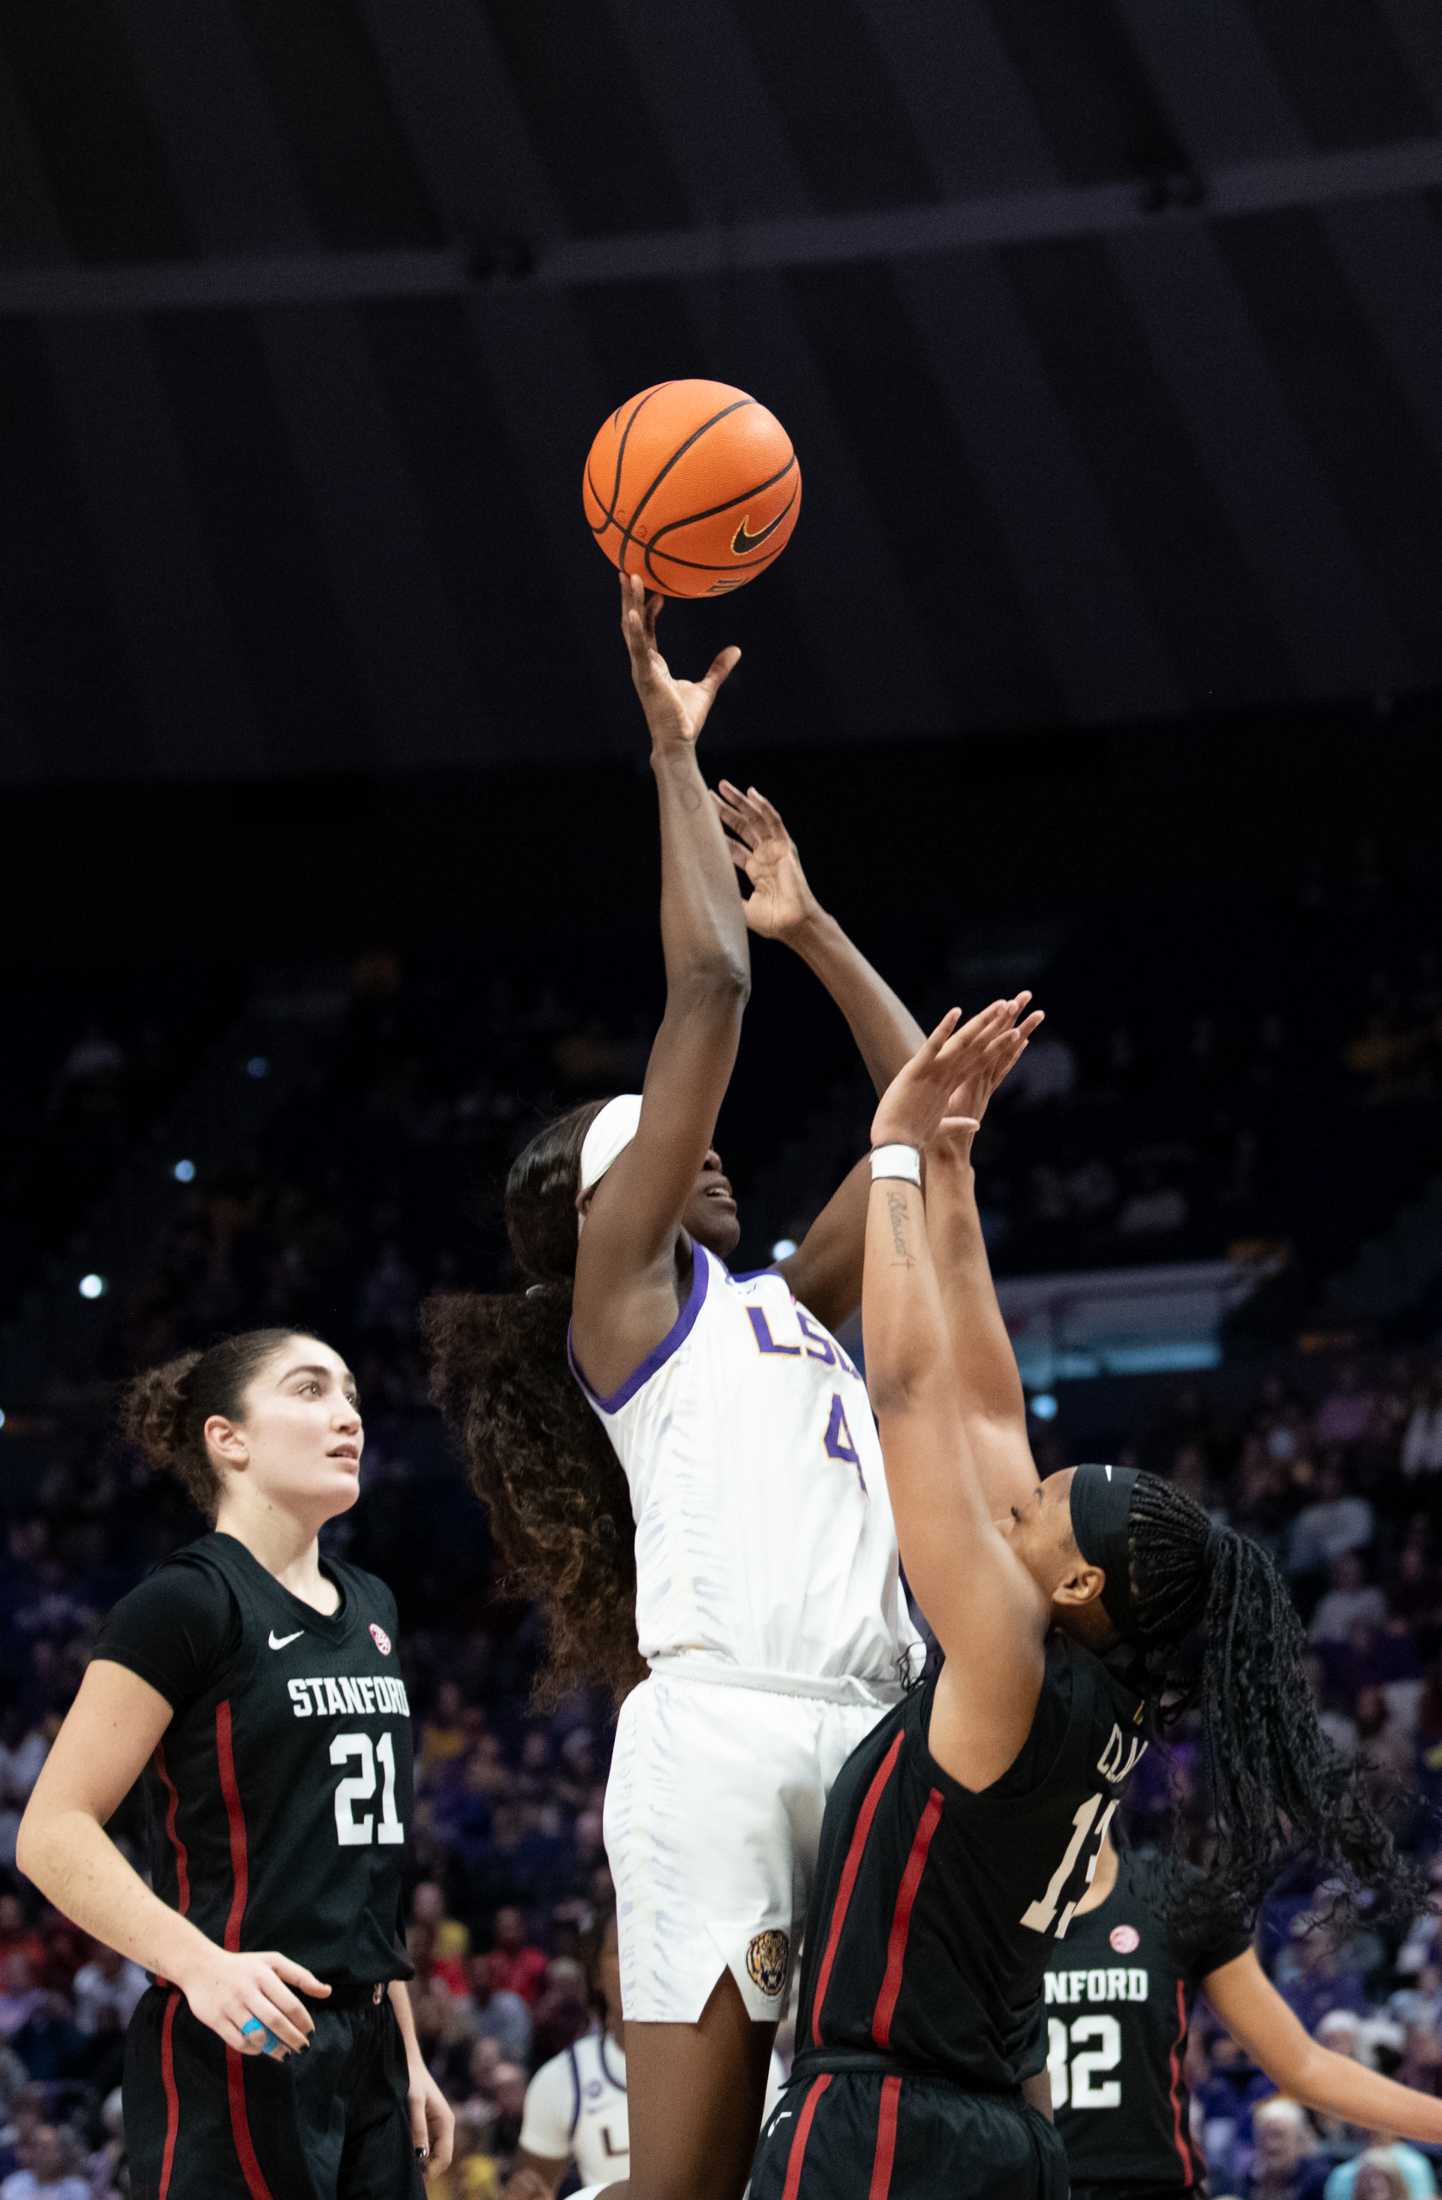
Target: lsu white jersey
x,y
576,2109
764,1532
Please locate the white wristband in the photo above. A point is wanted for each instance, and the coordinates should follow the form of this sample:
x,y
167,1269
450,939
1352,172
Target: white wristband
x,y
898,1161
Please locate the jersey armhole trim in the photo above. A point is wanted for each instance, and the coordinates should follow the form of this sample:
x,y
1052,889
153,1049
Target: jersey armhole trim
x,y
575,2092
654,1361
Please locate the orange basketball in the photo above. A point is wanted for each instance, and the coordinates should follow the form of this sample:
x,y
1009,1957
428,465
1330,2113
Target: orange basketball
x,y
694,486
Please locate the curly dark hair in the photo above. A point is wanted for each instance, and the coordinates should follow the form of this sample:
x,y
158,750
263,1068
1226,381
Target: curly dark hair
x,y
1279,1788
536,1455
163,1411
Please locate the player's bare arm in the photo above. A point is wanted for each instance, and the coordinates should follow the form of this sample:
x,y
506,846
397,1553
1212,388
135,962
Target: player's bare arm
x,y
989,1389
825,1270
987,1614
626,1269
108,1737
1267,2030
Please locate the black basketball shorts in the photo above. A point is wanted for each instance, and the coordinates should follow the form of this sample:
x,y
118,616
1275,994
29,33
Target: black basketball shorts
x,y
849,2135
205,2123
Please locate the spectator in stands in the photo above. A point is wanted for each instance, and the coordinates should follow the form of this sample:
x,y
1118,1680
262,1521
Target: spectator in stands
x,y
50,2169
1337,1521
1422,1437
1286,2161
498,2014
520,1967
107,1980
20,1997
1394,2171
1351,1598
1346,1414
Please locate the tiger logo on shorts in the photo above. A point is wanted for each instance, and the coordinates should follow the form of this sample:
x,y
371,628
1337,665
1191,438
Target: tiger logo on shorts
x,y
767,1961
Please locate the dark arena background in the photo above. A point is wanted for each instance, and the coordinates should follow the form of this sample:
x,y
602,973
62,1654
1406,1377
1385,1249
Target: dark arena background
x,y
1106,661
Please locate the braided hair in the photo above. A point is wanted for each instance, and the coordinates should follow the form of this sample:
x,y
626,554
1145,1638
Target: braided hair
x,y
536,1455
1279,1787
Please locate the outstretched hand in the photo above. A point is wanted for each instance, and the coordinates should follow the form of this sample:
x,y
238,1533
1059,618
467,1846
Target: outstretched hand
x,y
676,710
932,1096
780,902
996,1062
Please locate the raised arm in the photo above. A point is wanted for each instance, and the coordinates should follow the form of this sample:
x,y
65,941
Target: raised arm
x,y
626,1282
1261,2022
825,1270
989,1392
983,1606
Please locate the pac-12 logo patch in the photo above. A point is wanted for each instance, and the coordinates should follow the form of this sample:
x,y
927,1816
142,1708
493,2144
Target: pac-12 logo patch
x,y
381,1640
1125,1939
767,1961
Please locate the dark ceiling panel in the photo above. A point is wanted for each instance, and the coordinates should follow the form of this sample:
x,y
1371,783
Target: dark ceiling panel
x,y
351,151
985,654
225,143
1098,106
846,120
478,505
102,157
592,127
260,530
1085,602
131,478
1191,566
66,663
1350,404
1308,570
1344,72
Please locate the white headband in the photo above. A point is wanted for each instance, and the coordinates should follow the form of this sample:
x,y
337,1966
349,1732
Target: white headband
x,y
609,1136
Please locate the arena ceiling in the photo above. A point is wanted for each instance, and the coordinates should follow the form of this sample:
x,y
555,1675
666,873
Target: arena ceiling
x,y
1110,337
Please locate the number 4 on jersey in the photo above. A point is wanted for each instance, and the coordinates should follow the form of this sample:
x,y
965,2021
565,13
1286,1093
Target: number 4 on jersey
x,y
838,1440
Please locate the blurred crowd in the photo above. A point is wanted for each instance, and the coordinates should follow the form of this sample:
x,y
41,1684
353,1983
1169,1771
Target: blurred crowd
x,y
1335,1466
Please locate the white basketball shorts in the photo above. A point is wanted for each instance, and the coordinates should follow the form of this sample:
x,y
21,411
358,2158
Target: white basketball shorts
x,y
713,1818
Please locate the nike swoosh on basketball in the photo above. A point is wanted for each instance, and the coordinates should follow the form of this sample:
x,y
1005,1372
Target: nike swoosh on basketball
x,y
741,541
278,1642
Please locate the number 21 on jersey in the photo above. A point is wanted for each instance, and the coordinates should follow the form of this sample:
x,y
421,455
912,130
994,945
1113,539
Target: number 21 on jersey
x,y
352,1831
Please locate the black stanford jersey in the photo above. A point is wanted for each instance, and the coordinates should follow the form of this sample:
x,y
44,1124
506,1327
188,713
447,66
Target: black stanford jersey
x,y
1119,1995
279,1798
936,1907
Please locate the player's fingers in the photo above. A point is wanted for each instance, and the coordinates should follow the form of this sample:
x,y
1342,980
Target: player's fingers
x,y
735,821
296,1974
770,815
961,1122
742,812
285,2028
286,2003
244,2043
935,1040
721,668
443,2136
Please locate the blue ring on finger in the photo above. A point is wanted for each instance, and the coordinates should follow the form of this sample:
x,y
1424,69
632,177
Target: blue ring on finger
x,y
253,2024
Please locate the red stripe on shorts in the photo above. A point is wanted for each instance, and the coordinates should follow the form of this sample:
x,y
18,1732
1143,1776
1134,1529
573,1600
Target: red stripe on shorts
x,y
172,2093
796,2159
885,2155
235,2062
847,1881
182,1860
1183,2145
901,1920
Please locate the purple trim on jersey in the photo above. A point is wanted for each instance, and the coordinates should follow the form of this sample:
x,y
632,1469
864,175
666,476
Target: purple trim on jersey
x,y
575,2091
749,1275
618,2083
673,1340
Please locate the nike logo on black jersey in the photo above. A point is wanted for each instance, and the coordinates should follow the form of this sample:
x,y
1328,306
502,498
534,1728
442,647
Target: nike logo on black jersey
x,y
741,542
278,1642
